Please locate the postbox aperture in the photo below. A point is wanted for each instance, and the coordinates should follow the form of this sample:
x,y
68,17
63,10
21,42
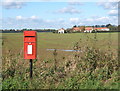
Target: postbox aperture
x,y
29,44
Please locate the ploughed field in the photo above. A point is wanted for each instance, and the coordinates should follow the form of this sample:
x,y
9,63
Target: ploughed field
x,y
45,41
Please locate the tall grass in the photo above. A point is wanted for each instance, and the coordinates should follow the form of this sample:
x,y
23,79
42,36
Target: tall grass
x,y
89,68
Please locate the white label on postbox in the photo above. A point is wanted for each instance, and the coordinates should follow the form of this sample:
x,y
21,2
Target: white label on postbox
x,y
29,49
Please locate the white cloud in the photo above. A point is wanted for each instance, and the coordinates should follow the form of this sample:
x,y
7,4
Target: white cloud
x,y
111,6
48,21
101,19
94,20
69,10
10,4
20,22
113,0
105,20
75,3
74,20
108,5
33,17
90,20
113,12
19,17
36,22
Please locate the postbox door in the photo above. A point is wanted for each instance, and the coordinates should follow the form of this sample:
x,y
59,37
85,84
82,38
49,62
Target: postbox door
x,y
30,50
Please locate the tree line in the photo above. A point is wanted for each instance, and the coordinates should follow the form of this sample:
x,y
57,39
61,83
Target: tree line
x,y
110,26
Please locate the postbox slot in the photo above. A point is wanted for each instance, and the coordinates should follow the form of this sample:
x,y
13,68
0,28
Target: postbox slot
x,y
29,36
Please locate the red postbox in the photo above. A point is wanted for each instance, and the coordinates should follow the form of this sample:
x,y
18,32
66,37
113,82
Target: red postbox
x,y
30,44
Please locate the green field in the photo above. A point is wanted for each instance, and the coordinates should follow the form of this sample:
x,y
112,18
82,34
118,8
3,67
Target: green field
x,y
95,67
14,42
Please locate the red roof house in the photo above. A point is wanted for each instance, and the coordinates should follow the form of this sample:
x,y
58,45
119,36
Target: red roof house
x,y
76,29
102,29
88,29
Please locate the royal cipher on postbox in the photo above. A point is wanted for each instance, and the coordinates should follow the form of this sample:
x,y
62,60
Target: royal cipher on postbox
x,y
30,44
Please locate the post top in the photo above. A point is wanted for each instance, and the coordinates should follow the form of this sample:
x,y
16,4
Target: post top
x,y
29,33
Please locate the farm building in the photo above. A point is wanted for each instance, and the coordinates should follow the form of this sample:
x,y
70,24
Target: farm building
x,y
62,30
78,29
88,29
102,29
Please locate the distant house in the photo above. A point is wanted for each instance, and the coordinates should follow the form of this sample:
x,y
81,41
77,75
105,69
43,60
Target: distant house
x,y
75,29
62,30
102,29
88,29
78,29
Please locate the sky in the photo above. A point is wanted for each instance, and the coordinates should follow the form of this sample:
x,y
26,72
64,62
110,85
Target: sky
x,y
55,15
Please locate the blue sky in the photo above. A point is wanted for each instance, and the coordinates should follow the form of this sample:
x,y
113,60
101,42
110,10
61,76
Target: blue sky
x,y
55,15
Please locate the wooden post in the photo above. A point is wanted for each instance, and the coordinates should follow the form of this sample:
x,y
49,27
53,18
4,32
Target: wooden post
x,y
31,68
